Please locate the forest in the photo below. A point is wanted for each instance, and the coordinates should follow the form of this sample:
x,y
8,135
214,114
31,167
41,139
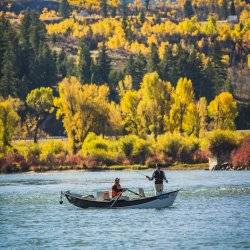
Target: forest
x,y
124,82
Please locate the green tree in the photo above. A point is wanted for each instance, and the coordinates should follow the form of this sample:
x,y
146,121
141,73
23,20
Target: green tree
x,y
215,73
44,72
9,119
37,32
84,63
225,9
62,65
232,8
64,8
147,4
223,111
103,66
104,8
136,67
188,9
40,104
153,60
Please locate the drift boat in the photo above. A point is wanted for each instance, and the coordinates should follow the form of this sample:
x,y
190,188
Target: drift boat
x,y
160,201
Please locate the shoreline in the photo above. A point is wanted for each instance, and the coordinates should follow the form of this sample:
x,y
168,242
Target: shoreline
x,y
176,167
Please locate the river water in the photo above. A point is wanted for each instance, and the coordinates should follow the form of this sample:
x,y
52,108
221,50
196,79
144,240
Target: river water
x,y
211,212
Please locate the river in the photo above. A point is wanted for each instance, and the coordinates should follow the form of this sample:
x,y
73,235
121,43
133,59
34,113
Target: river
x,y
211,212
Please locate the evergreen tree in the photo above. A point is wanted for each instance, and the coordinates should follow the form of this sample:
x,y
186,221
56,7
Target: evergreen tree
x,y
124,9
64,8
62,65
183,64
142,16
37,32
215,74
103,66
104,8
188,9
84,65
43,72
136,67
232,9
225,9
167,65
9,79
25,28
146,4
153,60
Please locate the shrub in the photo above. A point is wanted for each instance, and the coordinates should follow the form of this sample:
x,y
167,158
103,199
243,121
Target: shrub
x,y
13,162
99,150
51,148
134,148
240,157
74,160
188,147
169,144
223,142
200,156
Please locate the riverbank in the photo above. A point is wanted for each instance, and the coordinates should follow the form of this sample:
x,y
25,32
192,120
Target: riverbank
x,y
172,151
175,167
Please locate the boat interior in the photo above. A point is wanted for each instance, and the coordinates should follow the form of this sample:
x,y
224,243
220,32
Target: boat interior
x,y
107,196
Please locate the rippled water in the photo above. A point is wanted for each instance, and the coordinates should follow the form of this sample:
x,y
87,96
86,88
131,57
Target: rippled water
x,y
212,212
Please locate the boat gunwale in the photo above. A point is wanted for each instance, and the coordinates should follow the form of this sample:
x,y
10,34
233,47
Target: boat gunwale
x,y
150,198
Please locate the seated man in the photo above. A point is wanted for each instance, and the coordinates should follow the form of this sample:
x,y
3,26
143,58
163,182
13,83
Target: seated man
x,y
116,188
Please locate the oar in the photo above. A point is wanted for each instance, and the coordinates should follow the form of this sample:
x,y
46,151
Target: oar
x,y
134,193
117,198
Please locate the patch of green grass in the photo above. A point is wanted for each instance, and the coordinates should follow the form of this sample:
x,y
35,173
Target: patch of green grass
x,y
200,166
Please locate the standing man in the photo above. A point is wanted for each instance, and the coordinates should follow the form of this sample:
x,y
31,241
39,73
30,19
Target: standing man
x,y
158,176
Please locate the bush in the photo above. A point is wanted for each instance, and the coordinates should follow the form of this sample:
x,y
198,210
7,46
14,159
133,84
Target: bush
x,y
134,148
240,157
13,162
99,150
187,149
51,148
169,144
200,156
223,142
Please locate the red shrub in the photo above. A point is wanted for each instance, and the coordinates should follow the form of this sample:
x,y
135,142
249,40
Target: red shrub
x,y
96,161
240,157
200,156
73,160
13,162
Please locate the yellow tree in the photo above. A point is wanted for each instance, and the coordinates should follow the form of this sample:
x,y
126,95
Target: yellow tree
x,y
223,111
183,96
154,104
129,103
83,109
125,85
40,103
9,119
195,119
115,119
